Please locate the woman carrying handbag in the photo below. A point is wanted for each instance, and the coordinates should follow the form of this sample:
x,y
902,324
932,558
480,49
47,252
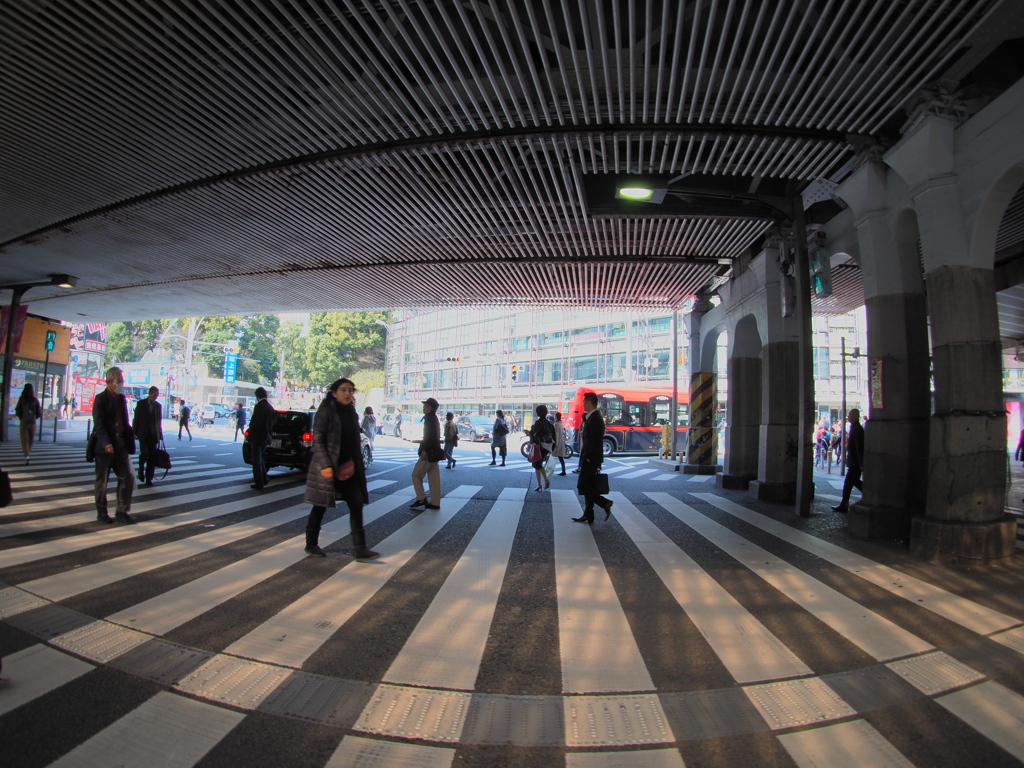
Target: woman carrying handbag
x,y
542,436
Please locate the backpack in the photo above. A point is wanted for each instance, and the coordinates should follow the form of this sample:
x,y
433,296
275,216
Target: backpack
x,y
500,428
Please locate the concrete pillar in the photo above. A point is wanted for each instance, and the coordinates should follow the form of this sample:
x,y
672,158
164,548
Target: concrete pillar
x,y
779,438
895,462
964,515
743,410
743,417
701,443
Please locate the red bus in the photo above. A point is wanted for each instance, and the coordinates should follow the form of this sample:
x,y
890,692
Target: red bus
x,y
633,416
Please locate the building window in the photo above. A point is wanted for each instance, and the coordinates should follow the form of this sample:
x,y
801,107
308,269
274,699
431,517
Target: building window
x,y
520,343
584,368
819,363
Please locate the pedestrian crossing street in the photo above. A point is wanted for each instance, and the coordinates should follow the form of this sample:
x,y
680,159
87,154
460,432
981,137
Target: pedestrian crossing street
x,y
689,628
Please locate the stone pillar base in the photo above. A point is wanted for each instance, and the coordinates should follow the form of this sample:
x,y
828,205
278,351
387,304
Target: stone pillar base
x,y
700,469
782,493
865,521
940,541
734,482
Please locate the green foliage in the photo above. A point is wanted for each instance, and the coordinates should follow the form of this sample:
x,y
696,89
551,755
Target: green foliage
x,y
342,344
129,341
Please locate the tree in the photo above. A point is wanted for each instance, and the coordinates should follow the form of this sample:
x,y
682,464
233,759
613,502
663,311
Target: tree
x,y
128,342
343,343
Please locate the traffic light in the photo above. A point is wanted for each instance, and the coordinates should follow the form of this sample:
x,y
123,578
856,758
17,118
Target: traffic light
x,y
821,266
51,339
515,372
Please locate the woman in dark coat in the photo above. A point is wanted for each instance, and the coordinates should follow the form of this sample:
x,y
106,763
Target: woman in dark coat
x,y
336,441
543,434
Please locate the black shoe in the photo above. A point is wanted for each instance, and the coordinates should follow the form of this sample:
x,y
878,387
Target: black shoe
x,y
365,554
418,504
561,474
839,508
432,506
256,487
314,551
149,484
106,519
608,509
587,520
124,517
493,463
576,471
502,464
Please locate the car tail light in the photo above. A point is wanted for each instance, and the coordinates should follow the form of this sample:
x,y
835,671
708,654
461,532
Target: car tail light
x,y
307,439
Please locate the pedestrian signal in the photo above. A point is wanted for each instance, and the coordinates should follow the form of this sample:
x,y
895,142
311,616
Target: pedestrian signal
x,y
51,339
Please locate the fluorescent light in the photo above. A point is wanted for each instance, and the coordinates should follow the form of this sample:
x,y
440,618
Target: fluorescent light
x,y
636,193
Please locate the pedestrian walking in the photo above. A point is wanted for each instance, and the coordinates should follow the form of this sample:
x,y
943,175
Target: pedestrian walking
x,y
149,431
184,412
559,450
28,412
429,455
259,437
369,425
239,420
451,438
66,406
113,448
542,433
589,485
336,469
74,405
499,440
854,460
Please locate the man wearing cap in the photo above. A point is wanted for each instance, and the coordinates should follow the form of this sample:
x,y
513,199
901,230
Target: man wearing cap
x,y
431,453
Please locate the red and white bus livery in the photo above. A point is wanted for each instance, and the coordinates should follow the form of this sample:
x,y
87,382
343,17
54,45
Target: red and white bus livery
x,y
633,415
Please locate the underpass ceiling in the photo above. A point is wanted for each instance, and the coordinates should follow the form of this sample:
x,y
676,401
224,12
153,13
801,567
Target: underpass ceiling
x,y
272,155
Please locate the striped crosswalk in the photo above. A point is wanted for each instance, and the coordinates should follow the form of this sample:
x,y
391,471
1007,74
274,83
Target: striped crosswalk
x,y
496,623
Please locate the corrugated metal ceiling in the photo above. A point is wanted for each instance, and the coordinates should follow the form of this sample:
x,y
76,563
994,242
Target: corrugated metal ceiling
x,y
280,155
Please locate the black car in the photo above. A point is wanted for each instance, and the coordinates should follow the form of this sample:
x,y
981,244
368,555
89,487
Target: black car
x,y
291,442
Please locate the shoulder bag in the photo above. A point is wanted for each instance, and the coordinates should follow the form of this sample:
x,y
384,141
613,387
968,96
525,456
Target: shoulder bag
x,y
534,453
161,458
344,471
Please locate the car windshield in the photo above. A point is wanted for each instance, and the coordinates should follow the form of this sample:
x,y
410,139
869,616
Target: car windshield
x,y
291,421
480,421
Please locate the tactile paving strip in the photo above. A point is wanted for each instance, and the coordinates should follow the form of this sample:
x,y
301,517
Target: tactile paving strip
x,y
532,721
791,703
49,621
935,673
711,714
14,601
100,641
319,699
592,721
415,713
160,661
230,680
1011,638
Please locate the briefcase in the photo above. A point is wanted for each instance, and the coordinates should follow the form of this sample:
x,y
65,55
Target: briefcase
x,y
162,459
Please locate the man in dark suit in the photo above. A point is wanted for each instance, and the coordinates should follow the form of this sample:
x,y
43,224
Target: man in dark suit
x,y
591,458
115,445
149,431
854,460
259,437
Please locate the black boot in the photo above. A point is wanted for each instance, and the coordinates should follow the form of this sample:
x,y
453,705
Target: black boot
x,y
359,549
312,544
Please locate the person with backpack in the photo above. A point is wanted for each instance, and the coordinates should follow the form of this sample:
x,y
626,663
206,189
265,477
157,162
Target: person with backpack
x,y
451,438
28,412
542,434
498,441
184,412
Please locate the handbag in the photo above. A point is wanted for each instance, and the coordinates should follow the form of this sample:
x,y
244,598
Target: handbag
x,y
534,453
344,471
6,494
600,484
90,448
161,458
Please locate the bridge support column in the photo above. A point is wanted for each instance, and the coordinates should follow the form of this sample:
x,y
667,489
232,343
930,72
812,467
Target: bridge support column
x,y
964,517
